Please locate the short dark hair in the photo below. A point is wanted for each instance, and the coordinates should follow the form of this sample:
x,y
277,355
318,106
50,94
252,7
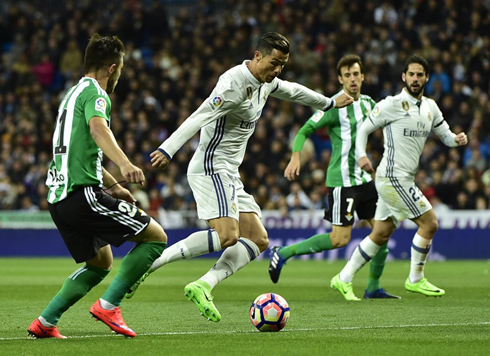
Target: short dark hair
x,y
415,58
348,61
102,51
273,40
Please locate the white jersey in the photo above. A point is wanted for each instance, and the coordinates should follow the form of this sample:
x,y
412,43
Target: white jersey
x,y
227,119
406,123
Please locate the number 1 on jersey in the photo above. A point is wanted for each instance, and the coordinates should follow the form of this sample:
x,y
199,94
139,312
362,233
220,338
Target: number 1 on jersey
x,y
61,149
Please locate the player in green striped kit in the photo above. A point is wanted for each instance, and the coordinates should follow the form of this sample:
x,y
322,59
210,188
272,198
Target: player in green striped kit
x,y
89,207
350,188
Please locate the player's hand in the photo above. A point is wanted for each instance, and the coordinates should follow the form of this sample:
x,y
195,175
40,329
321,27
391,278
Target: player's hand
x,y
159,160
132,174
366,165
293,168
122,193
461,139
343,100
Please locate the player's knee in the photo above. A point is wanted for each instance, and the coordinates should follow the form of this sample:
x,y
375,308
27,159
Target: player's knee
x,y
228,238
339,240
339,243
161,235
431,227
262,242
380,237
154,232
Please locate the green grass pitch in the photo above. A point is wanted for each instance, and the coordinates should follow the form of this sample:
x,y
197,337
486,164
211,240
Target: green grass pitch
x,y
321,323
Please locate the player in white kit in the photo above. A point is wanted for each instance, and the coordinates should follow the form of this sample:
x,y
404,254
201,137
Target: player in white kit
x,y
227,119
407,120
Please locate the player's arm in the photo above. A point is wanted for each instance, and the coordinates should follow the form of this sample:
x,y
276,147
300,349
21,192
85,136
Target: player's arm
x,y
200,118
313,124
222,100
117,191
108,179
441,129
300,94
104,138
373,122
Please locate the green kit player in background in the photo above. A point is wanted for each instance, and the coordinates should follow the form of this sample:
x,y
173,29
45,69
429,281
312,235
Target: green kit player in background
x,y
350,188
89,219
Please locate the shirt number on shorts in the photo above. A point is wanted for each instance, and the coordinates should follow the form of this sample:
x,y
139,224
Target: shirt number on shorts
x,y
127,208
350,202
413,191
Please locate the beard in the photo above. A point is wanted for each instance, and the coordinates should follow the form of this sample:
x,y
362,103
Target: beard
x,y
111,84
415,93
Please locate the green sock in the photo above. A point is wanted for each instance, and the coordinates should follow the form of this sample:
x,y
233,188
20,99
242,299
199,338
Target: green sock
x,y
74,288
134,265
377,267
314,244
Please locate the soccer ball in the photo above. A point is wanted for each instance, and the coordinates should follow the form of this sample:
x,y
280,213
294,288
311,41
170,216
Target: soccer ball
x,y
269,312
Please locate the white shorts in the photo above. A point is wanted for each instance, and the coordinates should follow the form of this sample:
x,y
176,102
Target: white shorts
x,y
220,195
399,199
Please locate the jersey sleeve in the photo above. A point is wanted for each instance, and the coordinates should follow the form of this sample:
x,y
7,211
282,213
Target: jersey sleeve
x,y
224,98
97,105
377,118
380,114
300,94
441,127
318,120
372,103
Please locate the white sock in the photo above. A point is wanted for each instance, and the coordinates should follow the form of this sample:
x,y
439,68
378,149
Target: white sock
x,y
45,322
362,255
106,305
196,244
233,259
420,250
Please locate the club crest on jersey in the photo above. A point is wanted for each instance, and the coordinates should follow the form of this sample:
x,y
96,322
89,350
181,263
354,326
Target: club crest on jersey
x,y
249,93
405,105
216,102
349,216
100,105
317,116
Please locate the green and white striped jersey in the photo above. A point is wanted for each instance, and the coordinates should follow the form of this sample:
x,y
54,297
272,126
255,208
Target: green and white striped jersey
x,y
77,160
342,124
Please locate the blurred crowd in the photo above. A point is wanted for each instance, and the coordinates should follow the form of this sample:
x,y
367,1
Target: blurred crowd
x,y
175,52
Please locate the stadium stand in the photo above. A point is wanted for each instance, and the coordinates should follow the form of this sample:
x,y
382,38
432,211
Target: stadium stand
x,y
177,49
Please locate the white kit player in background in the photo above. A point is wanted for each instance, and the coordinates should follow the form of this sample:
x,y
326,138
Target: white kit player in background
x,y
407,119
227,120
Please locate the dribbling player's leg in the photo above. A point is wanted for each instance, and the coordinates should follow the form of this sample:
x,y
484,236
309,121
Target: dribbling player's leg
x,y
240,254
196,244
